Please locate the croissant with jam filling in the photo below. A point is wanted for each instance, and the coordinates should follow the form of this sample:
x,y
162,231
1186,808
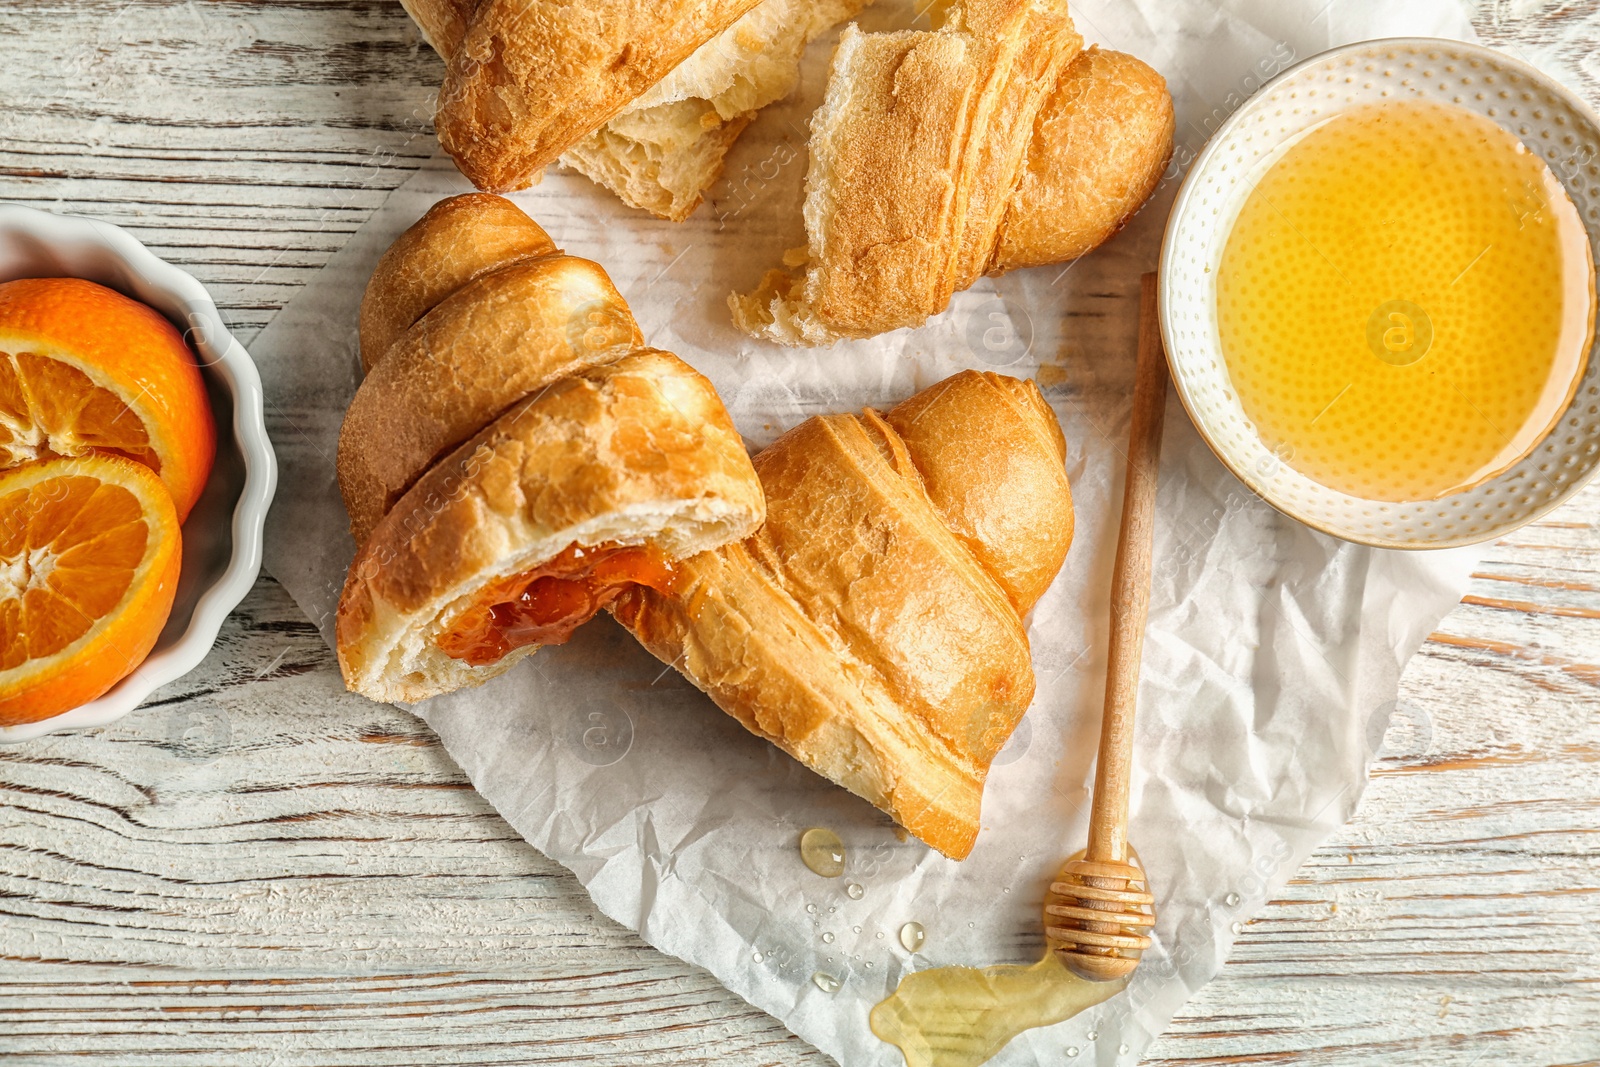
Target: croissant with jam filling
x,y
514,458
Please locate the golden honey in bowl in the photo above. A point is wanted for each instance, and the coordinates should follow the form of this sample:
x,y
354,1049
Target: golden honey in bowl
x,y
1405,301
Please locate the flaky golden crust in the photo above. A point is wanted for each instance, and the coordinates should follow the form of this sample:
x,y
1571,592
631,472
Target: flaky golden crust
x,y
906,205
979,441
883,242
443,22
505,334
1026,45
458,240
637,451
574,436
1098,152
532,77
871,627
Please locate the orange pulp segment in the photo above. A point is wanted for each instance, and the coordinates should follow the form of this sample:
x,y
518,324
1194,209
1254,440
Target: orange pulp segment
x,y
85,369
90,550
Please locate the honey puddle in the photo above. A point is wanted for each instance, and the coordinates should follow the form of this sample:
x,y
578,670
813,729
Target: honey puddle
x,y
1405,302
962,1016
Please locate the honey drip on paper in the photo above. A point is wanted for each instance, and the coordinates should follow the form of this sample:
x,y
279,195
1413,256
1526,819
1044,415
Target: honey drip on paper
x,y
822,851
1405,302
962,1016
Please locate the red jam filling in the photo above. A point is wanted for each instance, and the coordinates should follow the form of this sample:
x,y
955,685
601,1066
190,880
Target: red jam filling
x,y
545,605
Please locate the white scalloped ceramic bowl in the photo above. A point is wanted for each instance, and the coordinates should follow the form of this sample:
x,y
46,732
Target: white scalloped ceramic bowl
x,y
1550,121
222,537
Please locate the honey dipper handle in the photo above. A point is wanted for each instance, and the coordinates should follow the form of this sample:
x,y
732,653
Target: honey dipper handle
x,y
1130,590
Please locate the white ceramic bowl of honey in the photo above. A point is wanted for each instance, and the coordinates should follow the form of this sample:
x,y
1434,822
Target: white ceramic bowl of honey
x,y
1377,293
222,536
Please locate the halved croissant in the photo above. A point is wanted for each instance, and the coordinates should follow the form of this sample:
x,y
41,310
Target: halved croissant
x,y
664,150
989,143
645,100
514,458
873,627
531,77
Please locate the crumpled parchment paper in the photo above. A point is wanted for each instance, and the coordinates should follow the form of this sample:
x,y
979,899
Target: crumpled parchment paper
x,y
1271,665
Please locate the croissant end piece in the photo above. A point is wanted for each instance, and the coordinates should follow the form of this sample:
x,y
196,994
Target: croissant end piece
x,y
992,142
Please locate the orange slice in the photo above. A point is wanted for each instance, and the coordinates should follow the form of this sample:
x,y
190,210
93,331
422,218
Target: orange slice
x,y
89,556
85,370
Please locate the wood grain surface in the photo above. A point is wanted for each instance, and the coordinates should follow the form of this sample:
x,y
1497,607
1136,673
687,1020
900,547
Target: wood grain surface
x,y
262,869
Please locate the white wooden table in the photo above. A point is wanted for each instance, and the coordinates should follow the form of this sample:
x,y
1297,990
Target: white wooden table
x,y
259,868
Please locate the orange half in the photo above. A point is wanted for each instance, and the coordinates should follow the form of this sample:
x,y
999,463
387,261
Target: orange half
x,y
84,369
90,550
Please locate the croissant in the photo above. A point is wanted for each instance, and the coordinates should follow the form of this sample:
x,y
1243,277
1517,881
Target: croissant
x,y
992,142
514,457
644,100
873,627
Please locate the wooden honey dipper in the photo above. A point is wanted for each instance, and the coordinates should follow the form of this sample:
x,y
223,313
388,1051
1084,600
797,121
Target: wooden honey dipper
x,y
1098,909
